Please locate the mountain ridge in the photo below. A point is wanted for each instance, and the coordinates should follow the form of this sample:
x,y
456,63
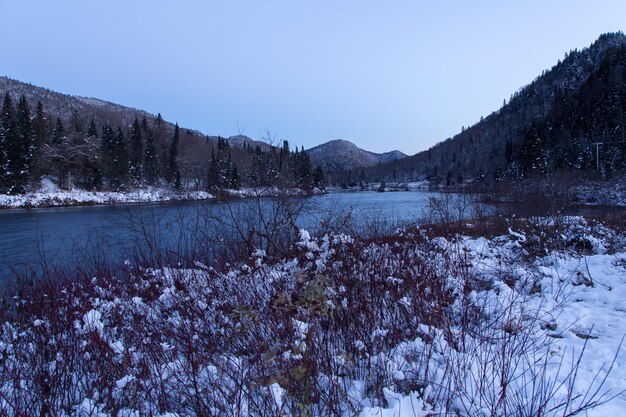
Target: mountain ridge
x,y
495,147
341,155
73,108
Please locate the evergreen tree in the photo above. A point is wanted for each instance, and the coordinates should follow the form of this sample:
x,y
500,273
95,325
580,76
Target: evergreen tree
x,y
144,125
508,152
93,130
302,170
234,178
120,159
95,172
135,154
283,161
107,152
213,177
7,136
39,136
532,156
320,181
58,132
159,121
20,149
172,163
257,168
224,163
150,162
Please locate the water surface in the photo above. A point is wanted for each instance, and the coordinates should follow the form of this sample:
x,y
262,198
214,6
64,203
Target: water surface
x,y
33,239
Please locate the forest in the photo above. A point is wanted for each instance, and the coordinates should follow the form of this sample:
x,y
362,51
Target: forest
x,y
34,143
570,119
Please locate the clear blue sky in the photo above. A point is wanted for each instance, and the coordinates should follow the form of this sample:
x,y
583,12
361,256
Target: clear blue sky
x,y
383,74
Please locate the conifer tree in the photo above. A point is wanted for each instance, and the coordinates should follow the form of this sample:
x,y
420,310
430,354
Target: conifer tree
x,y
318,177
234,178
172,163
93,130
95,172
20,149
144,125
257,175
213,177
39,137
120,159
150,162
107,153
302,170
224,163
135,154
58,132
7,135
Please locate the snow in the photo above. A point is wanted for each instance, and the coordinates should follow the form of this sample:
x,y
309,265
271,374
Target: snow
x,y
588,318
93,322
399,406
49,195
554,314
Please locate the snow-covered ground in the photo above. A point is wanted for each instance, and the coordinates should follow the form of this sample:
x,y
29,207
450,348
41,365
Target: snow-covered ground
x,y
522,324
596,194
564,322
49,195
247,192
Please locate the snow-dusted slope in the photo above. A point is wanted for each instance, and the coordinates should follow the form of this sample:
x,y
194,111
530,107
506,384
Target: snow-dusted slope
x,y
69,108
341,155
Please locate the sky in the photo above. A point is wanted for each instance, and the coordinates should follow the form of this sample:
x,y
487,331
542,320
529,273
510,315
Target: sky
x,y
383,74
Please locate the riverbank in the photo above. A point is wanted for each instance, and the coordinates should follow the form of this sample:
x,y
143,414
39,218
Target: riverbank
x,y
520,316
557,190
49,195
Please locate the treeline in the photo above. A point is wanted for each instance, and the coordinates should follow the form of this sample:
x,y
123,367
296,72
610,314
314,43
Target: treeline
x,y
583,130
281,168
103,156
570,118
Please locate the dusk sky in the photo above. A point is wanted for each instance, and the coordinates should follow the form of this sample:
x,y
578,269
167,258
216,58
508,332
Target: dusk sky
x,y
382,74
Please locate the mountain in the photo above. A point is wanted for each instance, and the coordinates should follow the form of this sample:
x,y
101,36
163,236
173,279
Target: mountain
x,y
98,145
342,155
75,114
76,110
242,141
550,125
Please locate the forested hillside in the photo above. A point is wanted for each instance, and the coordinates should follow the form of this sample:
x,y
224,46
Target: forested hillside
x,y
571,117
98,145
338,156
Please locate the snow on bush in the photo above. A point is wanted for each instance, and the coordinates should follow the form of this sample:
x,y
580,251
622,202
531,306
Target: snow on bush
x,y
523,324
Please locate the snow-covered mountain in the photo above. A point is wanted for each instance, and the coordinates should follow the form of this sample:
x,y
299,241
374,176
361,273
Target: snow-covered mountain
x,y
76,110
551,124
342,155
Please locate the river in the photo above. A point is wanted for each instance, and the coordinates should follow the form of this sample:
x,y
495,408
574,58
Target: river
x,y
36,240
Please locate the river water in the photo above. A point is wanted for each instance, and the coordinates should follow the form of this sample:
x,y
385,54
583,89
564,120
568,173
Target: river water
x,y
33,240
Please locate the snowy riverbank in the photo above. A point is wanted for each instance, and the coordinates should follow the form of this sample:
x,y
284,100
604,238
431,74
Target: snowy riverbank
x,y
413,324
49,195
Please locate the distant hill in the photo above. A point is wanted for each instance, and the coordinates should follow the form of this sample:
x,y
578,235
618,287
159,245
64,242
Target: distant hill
x,y
550,125
98,145
76,111
242,141
342,155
